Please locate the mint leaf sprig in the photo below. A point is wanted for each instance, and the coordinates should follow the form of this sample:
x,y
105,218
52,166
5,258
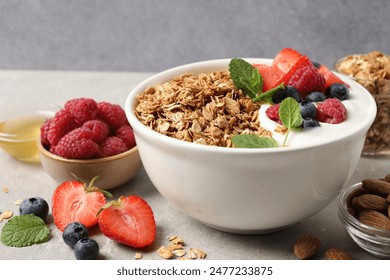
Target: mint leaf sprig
x,y
289,114
24,230
247,78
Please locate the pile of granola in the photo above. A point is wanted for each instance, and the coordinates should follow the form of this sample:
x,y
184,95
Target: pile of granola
x,y
204,109
372,70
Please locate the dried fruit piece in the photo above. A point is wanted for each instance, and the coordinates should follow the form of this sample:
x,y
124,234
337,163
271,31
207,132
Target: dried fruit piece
x,y
374,219
337,254
306,246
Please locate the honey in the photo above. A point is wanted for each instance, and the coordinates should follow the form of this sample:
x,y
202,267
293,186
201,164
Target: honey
x,y
19,136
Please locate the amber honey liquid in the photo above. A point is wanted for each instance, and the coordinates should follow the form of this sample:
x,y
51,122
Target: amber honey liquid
x,y
19,136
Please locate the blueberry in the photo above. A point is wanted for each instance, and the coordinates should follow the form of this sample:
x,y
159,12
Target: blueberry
x,y
34,205
309,122
307,109
288,91
86,249
338,91
316,64
315,96
73,233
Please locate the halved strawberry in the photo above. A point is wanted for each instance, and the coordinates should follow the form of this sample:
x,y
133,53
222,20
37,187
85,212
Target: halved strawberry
x,y
270,78
330,77
74,201
285,60
129,221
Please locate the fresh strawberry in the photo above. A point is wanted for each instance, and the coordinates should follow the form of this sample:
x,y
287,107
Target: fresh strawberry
x,y
270,78
330,77
74,201
285,60
129,221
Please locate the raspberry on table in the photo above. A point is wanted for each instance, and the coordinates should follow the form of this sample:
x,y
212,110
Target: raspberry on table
x,y
331,111
77,144
112,146
125,132
99,130
83,109
112,114
273,113
62,123
306,80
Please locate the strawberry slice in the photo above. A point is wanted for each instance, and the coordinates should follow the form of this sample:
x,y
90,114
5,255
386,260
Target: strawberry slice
x,y
330,77
270,78
129,221
74,201
285,60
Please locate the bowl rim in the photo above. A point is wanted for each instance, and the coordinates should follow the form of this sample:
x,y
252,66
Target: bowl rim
x,y
220,65
48,154
379,234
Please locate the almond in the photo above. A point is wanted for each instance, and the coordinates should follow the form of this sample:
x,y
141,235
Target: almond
x,y
377,186
354,193
372,202
387,178
374,219
306,246
337,254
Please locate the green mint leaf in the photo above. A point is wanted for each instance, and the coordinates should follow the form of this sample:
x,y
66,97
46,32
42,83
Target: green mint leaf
x,y
289,113
245,77
24,230
253,141
267,96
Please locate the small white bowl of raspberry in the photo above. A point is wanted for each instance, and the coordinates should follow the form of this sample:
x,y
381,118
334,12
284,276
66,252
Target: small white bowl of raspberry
x,y
88,139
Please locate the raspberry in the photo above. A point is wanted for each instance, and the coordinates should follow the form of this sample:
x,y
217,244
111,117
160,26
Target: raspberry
x,y
306,80
273,113
62,123
331,111
99,130
113,115
112,146
125,132
77,144
44,131
83,109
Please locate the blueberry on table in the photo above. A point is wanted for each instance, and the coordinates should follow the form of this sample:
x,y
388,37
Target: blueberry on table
x,y
337,90
34,205
307,109
73,233
315,96
86,249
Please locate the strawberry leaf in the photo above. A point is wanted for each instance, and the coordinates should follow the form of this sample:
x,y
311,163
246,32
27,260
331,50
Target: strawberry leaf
x,y
24,230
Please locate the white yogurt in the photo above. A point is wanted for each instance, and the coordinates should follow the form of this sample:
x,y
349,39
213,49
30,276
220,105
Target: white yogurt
x,y
355,106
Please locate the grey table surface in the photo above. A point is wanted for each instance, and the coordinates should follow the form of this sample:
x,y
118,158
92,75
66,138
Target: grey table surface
x,y
26,90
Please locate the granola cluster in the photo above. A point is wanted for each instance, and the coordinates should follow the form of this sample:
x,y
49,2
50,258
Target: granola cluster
x,y
204,109
372,70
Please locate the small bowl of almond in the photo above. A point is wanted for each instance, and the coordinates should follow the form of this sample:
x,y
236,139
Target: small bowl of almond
x,y
364,209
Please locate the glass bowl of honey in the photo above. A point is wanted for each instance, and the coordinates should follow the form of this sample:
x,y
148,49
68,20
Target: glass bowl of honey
x,y
19,133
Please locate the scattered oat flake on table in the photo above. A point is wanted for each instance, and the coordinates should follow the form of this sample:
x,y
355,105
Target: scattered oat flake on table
x,y
164,252
138,256
5,189
18,202
6,214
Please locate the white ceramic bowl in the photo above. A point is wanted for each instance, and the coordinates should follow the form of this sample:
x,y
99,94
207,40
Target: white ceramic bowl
x,y
250,190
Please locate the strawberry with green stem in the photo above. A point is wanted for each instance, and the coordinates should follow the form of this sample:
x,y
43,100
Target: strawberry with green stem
x,y
129,221
74,201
